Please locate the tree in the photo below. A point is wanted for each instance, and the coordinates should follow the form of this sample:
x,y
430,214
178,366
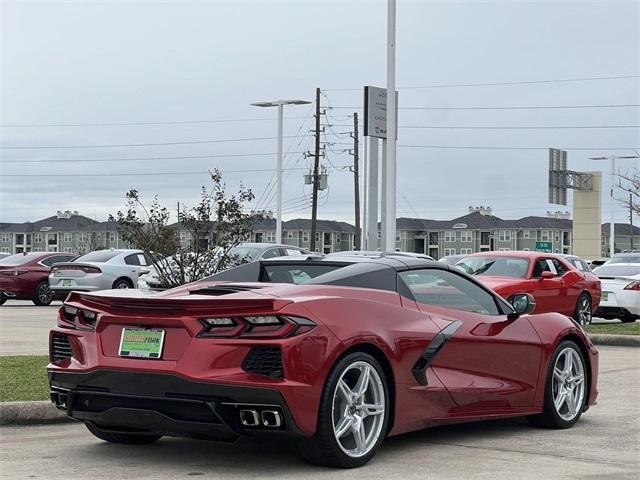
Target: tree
x,y
630,183
199,244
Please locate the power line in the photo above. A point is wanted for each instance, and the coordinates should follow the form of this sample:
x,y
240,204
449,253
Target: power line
x,y
118,124
138,159
516,107
147,144
124,174
512,127
492,84
483,147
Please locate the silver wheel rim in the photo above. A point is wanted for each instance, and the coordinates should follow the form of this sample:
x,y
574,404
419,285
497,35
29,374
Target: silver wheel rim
x,y
584,311
568,384
44,293
358,409
122,285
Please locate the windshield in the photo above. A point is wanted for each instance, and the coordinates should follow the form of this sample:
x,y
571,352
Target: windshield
x,y
617,270
499,266
99,256
245,253
17,259
624,259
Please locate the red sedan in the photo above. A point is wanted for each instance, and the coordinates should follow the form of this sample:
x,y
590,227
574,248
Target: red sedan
x,y
341,353
25,276
556,284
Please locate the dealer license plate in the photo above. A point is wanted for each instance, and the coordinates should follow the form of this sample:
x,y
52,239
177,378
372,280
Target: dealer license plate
x,y
142,343
605,296
67,283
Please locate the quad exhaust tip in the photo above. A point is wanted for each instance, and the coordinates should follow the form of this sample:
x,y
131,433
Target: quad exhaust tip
x,y
266,418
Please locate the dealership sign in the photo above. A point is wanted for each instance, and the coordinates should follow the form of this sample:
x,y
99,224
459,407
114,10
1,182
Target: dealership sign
x,y
546,247
375,112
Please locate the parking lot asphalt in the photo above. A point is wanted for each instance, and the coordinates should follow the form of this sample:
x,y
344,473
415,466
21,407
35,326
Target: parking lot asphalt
x,y
604,444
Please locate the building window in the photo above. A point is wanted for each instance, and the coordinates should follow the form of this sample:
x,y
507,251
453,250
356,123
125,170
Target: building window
x,y
525,234
379,234
449,251
82,236
67,237
545,235
52,239
505,249
4,249
557,236
289,234
37,238
504,235
183,237
305,236
6,237
466,251
525,249
398,237
270,237
19,239
112,237
67,250
450,236
467,237
338,238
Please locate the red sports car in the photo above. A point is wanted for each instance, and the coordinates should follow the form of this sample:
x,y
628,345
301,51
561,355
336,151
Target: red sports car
x,y
555,281
338,352
25,276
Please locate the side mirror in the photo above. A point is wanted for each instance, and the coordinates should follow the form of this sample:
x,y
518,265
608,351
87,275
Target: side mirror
x,y
523,303
546,275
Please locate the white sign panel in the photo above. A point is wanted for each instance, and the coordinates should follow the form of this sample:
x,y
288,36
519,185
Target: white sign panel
x,y
375,112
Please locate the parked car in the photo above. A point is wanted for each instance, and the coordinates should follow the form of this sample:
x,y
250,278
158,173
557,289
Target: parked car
x,y
596,262
25,276
452,259
555,283
370,253
620,291
251,252
366,348
627,257
577,262
100,270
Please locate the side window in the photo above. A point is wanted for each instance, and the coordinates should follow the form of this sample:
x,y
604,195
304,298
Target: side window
x,y
447,289
132,259
142,259
585,267
544,265
271,253
560,267
54,259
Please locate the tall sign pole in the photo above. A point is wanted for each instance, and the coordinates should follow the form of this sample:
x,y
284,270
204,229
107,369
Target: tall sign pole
x,y
390,183
365,196
356,180
279,179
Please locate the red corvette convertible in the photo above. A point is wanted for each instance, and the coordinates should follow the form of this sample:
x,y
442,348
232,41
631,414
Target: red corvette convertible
x,y
556,283
338,352
25,276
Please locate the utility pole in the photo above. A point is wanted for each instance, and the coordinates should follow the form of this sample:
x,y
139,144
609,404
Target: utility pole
x,y
356,180
631,220
316,176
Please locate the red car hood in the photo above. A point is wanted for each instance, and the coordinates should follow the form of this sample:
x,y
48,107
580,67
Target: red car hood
x,y
498,283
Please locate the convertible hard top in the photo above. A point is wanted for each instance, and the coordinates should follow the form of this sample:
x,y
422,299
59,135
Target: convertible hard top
x,y
378,270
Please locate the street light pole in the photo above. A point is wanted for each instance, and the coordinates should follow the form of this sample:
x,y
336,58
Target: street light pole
x,y
389,233
612,183
280,104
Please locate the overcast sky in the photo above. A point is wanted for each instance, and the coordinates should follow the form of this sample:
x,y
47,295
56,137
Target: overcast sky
x,y
106,62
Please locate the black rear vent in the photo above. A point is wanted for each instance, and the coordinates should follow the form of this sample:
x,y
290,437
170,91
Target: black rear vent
x,y
264,361
60,348
223,290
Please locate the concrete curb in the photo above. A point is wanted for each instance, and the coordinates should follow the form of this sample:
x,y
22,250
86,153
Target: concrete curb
x,y
30,413
615,340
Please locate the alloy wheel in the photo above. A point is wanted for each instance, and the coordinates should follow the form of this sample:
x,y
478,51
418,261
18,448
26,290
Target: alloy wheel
x,y
45,295
584,310
568,384
358,409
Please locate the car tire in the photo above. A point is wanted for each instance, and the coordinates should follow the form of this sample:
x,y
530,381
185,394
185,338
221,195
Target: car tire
x,y
2,299
365,414
122,283
582,312
126,438
628,318
43,295
572,381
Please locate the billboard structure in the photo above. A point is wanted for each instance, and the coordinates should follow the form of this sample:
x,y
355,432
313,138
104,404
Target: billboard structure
x,y
587,208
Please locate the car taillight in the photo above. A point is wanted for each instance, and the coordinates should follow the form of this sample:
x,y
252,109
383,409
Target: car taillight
x,y
633,286
255,326
15,273
81,268
80,318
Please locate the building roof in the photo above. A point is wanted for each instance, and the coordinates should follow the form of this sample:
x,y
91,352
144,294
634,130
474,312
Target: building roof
x,y
478,221
620,229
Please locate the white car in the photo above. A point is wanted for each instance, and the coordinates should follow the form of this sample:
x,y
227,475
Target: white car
x,y
100,270
620,291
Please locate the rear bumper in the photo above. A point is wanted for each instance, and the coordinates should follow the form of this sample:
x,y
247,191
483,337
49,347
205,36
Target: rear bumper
x,y
167,404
